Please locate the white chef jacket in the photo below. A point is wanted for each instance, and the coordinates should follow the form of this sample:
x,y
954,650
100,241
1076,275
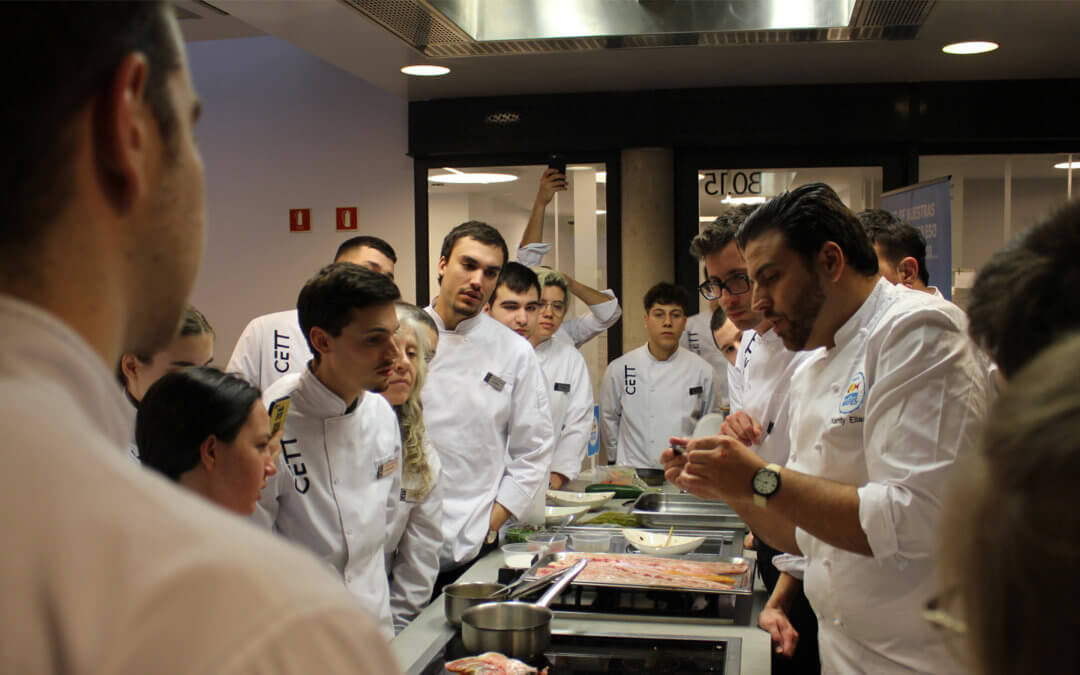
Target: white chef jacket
x,y
131,412
337,472
698,338
413,540
112,568
486,409
570,391
888,409
270,347
580,329
764,386
644,402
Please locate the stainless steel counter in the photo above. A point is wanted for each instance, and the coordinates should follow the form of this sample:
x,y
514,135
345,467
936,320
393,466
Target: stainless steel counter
x,y
425,636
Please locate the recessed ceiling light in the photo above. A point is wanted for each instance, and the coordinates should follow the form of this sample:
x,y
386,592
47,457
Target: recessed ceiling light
x,y
975,47
459,178
743,200
1067,165
601,212
425,71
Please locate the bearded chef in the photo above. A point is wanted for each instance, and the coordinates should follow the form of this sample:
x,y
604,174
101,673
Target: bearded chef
x,y
485,402
273,346
339,469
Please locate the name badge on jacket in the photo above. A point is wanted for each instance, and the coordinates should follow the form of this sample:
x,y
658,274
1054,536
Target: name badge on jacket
x,y
563,387
495,381
387,468
694,391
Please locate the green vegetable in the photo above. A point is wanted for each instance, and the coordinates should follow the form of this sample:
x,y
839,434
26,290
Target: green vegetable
x,y
621,491
612,518
519,534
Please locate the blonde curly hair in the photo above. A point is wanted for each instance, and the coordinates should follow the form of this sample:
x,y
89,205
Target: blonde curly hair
x,y
411,413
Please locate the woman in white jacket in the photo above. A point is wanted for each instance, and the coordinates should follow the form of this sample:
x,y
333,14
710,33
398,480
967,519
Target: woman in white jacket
x,y
414,535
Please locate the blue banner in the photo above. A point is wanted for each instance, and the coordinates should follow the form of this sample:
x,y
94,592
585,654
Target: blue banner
x,y
594,436
927,207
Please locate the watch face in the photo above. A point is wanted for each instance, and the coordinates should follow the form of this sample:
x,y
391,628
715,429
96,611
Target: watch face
x,y
766,482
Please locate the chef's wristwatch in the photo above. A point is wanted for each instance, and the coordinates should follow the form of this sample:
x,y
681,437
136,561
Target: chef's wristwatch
x,y
765,484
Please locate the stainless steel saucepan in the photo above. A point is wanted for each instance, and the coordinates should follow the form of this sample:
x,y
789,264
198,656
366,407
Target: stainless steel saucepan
x,y
521,630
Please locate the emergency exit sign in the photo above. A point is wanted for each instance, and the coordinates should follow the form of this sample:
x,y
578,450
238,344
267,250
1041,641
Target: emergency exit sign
x,y
346,218
299,220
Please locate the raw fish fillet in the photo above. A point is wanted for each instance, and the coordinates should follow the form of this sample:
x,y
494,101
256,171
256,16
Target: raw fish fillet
x,y
640,570
492,663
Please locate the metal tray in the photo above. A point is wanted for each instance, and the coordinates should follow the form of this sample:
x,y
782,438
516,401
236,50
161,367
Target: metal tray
x,y
684,511
744,583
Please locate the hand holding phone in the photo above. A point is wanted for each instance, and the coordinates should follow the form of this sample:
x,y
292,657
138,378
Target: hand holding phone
x,y
557,162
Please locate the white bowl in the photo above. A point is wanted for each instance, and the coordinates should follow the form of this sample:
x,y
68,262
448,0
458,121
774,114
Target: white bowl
x,y
553,515
653,542
590,499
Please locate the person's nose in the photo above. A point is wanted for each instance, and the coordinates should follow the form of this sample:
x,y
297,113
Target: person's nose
x,y
546,310
271,467
476,278
759,300
394,351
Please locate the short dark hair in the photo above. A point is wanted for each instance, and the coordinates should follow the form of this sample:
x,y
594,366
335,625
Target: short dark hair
x,y
518,278
665,293
720,232
183,409
898,240
86,43
809,216
329,298
1027,296
719,317
366,241
481,232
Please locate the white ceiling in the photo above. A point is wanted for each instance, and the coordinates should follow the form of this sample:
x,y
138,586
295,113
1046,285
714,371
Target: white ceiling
x,y
1038,40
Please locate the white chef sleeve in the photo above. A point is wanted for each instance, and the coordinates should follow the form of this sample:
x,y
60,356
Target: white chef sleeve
x,y
610,410
573,439
926,405
247,355
416,563
601,316
532,255
531,438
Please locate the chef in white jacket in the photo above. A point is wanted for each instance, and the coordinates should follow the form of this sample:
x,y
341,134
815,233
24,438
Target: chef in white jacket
x,y
340,463
891,394
414,533
485,402
272,346
604,309
698,338
656,391
518,304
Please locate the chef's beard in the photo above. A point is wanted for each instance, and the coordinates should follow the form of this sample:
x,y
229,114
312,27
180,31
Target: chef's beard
x,y
803,315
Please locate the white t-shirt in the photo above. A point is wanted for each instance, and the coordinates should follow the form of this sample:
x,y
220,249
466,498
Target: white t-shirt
x,y
888,409
113,569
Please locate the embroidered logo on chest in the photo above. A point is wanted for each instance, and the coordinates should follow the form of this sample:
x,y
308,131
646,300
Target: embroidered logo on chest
x,y
854,394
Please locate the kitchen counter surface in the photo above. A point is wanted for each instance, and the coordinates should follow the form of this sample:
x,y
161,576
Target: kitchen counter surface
x,y
424,638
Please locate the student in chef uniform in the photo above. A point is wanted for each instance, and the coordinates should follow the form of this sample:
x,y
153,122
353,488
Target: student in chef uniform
x,y
569,388
193,346
109,567
414,535
890,396
209,431
1027,296
273,346
340,464
603,306
485,402
760,385
698,338
658,390
726,336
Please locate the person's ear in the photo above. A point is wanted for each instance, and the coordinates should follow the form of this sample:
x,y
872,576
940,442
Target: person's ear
x,y
908,271
123,128
129,366
441,268
208,452
320,341
830,261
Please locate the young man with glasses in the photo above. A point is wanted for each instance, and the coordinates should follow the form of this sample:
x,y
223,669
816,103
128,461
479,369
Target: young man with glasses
x,y
758,390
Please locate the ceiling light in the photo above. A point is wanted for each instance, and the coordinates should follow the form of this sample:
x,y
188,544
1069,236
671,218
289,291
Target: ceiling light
x,y
578,168
1067,165
743,200
425,71
601,212
706,219
601,176
472,178
976,47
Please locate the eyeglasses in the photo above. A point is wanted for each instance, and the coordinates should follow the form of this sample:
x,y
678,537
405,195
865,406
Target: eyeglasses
x,y
556,306
711,289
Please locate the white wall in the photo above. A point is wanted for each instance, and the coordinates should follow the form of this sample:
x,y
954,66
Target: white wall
x,y
282,129
1033,200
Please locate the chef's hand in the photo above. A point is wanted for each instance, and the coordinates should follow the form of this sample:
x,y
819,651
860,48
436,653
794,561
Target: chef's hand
x,y
499,515
674,458
556,480
716,467
743,427
784,636
551,182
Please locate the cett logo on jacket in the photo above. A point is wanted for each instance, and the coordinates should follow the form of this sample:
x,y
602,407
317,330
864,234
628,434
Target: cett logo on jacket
x,y
630,378
298,470
281,352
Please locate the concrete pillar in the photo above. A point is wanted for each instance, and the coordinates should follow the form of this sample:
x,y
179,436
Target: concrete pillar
x,y
648,238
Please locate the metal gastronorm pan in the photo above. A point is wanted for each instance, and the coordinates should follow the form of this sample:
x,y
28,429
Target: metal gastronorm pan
x,y
744,583
684,511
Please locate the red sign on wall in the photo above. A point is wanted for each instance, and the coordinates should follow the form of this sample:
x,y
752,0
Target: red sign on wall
x,y
299,220
346,218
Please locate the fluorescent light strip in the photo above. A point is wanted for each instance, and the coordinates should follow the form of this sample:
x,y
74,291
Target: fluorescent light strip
x,y
425,70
